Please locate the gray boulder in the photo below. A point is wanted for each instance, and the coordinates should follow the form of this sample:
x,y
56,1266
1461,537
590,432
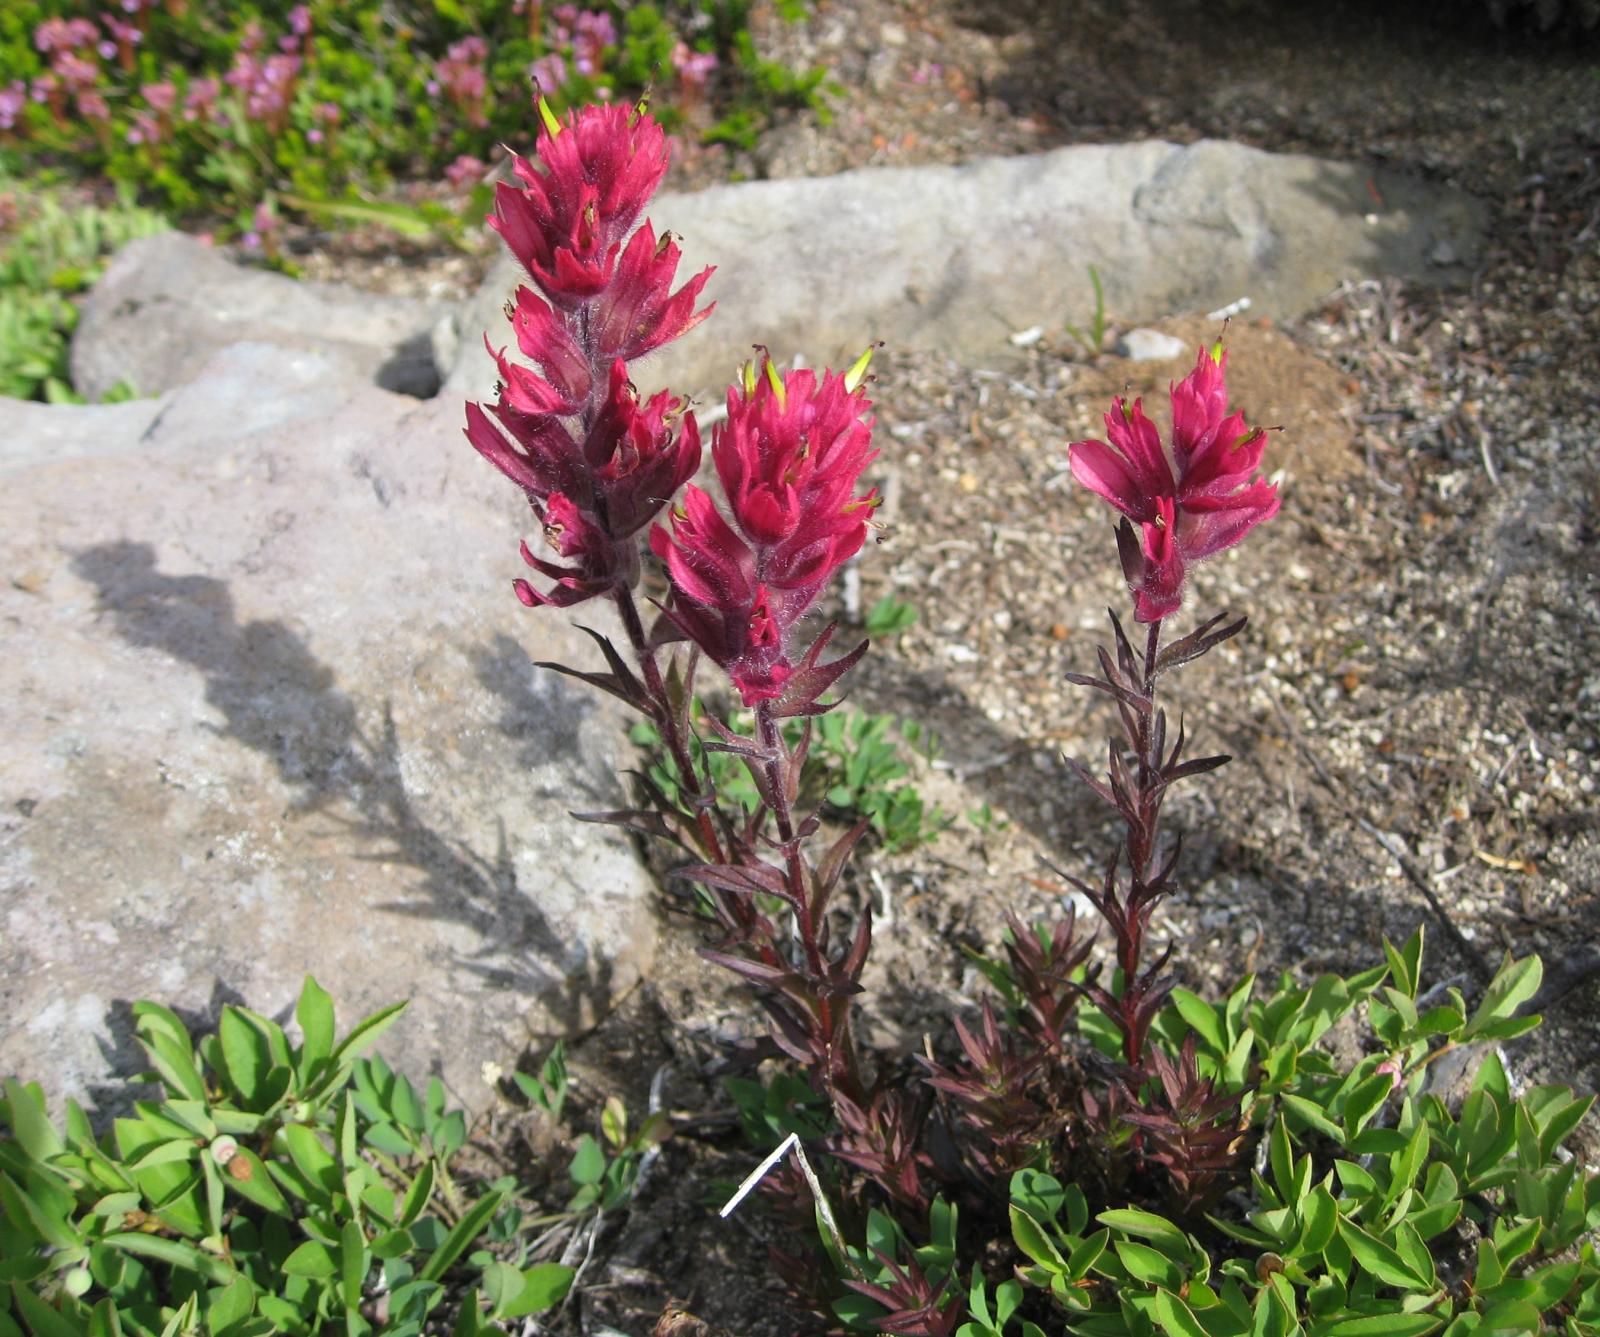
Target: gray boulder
x,y
961,257
169,302
269,710
30,432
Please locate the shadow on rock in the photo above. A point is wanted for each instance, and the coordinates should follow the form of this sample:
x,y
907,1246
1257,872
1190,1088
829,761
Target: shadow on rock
x,y
279,700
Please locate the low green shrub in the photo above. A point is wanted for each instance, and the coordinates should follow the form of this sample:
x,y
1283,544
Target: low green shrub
x,y
52,251
1379,1202
274,1187
859,764
236,111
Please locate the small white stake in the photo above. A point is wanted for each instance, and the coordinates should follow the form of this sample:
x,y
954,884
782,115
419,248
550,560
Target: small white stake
x,y
824,1212
755,1176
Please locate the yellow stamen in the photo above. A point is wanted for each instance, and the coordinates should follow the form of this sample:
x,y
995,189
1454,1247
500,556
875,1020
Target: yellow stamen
x,y
551,124
858,372
778,388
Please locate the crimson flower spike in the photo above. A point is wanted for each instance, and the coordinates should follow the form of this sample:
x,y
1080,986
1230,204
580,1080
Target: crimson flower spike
x,y
596,463
1190,507
790,456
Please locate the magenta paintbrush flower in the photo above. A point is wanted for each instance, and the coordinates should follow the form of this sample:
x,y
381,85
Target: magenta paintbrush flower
x,y
567,425
1188,508
635,315
596,563
566,224
790,456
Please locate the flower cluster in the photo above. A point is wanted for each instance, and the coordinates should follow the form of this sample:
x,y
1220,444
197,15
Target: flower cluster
x,y
12,100
789,456
267,84
576,45
693,67
465,171
464,76
596,462
1190,507
74,47
588,32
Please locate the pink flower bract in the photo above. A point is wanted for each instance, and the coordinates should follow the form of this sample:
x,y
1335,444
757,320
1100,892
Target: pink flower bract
x,y
1186,508
790,456
567,222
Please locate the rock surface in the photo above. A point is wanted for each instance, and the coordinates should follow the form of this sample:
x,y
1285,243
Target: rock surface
x,y
958,258
169,302
269,710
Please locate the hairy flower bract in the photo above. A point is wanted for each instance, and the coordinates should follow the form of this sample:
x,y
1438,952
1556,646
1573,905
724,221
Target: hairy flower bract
x,y
1189,507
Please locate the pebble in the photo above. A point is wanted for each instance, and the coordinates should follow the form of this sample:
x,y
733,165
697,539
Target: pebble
x,y
1146,345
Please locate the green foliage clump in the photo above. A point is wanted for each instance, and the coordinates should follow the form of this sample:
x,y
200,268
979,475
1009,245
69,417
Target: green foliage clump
x,y
228,111
1380,1204
275,1188
51,252
859,763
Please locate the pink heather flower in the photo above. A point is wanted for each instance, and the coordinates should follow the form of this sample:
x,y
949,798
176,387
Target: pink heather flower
x,y
107,50
161,97
280,71
464,76
202,94
76,72
265,220
93,107
12,101
145,129
598,26
313,136
52,35
1208,504
464,171
549,72
693,67
790,456
300,20
126,34
566,223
